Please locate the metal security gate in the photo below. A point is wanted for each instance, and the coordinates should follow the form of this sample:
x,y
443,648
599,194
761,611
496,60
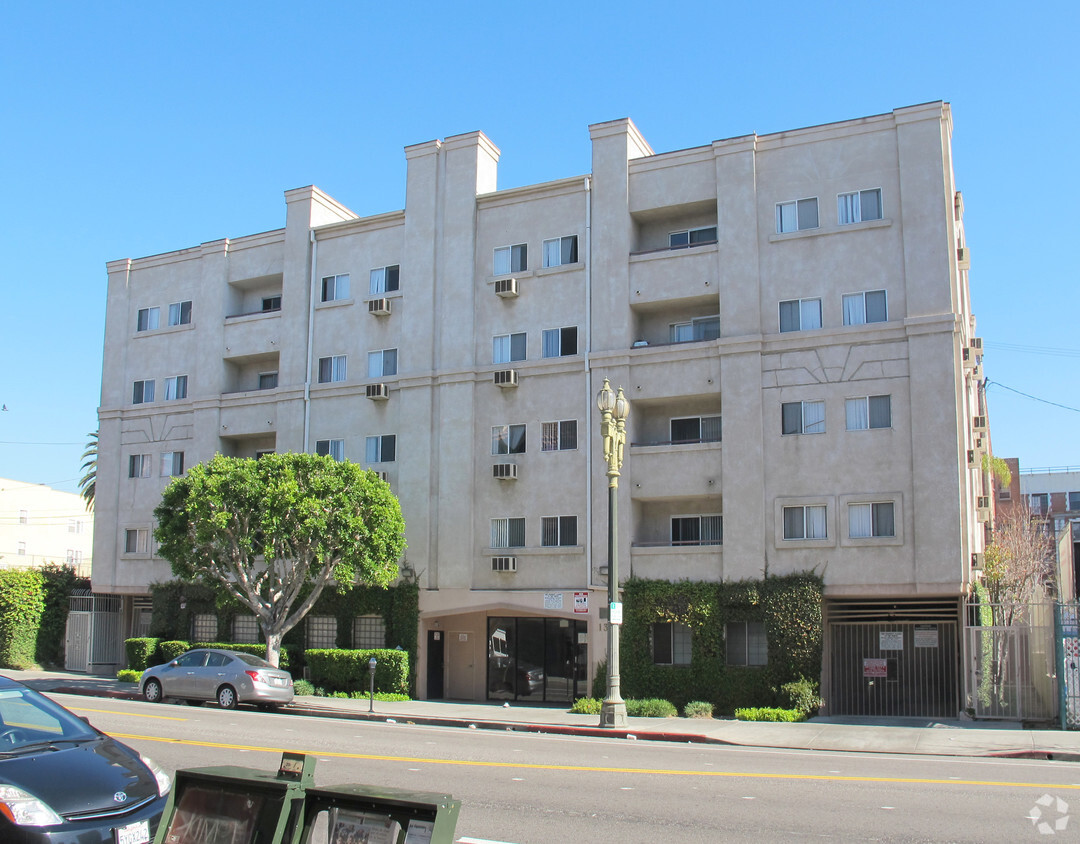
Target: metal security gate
x,y
1067,640
894,659
93,637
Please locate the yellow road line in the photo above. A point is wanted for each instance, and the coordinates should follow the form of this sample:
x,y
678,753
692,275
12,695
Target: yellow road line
x,y
596,769
129,714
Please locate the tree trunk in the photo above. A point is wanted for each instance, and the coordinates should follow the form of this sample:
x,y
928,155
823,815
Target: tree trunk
x,y
273,648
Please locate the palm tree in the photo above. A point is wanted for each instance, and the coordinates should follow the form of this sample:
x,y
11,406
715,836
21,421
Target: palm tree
x,y
89,481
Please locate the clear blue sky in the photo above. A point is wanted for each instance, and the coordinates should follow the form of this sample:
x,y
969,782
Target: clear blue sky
x,y
128,129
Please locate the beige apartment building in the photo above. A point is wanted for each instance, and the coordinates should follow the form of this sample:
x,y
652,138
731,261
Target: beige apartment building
x,y
788,315
42,526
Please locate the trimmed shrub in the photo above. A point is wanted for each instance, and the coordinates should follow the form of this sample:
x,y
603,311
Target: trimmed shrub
x,y
698,709
170,650
128,675
599,683
340,670
22,602
287,654
586,706
141,653
768,713
651,708
802,696
302,688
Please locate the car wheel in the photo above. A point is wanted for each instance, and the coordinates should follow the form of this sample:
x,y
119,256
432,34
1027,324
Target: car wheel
x,y
226,697
152,691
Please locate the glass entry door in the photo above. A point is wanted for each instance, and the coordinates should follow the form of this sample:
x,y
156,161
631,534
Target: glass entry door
x,y
537,659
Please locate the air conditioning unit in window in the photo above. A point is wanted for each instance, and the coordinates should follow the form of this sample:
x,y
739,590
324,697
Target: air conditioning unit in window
x,y
506,378
980,444
504,471
971,357
506,287
378,392
963,258
379,307
384,476
504,563
977,372
982,502
972,458
976,344
979,423
977,561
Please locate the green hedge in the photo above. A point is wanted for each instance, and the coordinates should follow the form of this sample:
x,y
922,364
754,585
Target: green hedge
x,y
141,653
22,602
340,670
144,652
60,582
768,713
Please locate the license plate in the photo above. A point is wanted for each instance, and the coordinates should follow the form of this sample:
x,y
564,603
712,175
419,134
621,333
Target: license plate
x,y
277,681
134,833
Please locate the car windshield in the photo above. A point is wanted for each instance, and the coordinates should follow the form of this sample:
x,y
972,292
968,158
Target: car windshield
x,y
28,718
253,660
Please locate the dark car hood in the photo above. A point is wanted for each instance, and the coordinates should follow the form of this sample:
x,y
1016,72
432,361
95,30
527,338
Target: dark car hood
x,y
82,778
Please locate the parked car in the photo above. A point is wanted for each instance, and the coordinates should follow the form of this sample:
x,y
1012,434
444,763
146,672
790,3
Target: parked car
x,y
62,780
229,677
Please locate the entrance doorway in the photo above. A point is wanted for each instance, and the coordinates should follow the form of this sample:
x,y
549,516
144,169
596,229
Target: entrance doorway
x,y
435,664
537,659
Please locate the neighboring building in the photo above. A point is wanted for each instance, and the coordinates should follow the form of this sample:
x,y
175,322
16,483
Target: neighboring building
x,y
1054,494
40,526
808,288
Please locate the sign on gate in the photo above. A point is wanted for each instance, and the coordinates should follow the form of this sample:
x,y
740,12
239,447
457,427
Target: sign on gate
x,y
872,668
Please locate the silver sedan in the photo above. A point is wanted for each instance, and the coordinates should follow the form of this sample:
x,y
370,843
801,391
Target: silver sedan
x,y
229,677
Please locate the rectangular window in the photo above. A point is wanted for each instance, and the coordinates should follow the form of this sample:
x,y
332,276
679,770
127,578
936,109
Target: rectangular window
x,y
380,449
24,517
558,531
805,522
800,315
670,643
75,526
868,306
74,557
382,363
1040,503
871,520
802,417
267,380
695,429
335,287
508,439
868,412
796,215
332,369
271,303
148,319
204,627
21,548
511,259
857,206
135,540
139,466
508,533
559,342
369,631
321,631
384,280
746,643
245,628
172,464
180,313
175,388
702,328
331,448
697,530
560,250
507,348
691,237
142,392
1074,501
559,436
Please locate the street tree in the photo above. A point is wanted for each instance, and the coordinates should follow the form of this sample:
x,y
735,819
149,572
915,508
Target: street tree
x,y
88,482
276,531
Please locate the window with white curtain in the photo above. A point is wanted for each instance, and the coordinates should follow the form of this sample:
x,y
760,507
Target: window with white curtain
x,y
671,643
180,313
697,530
560,342
871,520
382,363
857,206
136,540
508,439
384,280
508,533
506,348
176,387
142,392
148,319
800,315
558,436
802,417
334,287
560,250
172,464
331,448
380,449
806,522
796,215
868,412
139,466
511,259
865,307
332,369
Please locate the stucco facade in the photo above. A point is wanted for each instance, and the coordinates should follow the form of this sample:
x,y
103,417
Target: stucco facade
x,y
42,526
827,336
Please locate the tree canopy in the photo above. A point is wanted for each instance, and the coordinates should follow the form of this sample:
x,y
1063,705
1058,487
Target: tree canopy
x,y
275,531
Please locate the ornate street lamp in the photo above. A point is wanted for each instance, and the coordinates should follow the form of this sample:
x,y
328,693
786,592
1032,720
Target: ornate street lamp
x,y
613,412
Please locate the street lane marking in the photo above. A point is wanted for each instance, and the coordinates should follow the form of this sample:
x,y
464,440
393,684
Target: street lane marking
x,y
132,714
470,763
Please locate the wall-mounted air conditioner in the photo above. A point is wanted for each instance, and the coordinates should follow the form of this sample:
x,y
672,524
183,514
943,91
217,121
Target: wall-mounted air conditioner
x,y
378,392
977,561
379,307
505,471
976,344
979,423
963,258
506,287
506,378
982,502
972,458
504,563
971,357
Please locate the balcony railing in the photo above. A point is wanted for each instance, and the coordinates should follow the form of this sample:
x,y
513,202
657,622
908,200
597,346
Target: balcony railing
x,y
676,543
675,442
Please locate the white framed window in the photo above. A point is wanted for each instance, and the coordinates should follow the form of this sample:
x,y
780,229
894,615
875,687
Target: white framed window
x,y
271,303
746,643
331,448
871,520
75,526
382,363
805,522
24,517
148,319
511,259
334,287
508,439
380,449
691,237
558,531
868,412
802,417
858,206
796,215
670,643
21,548
697,530
368,632
560,342
1040,503
800,315
267,380
175,388
74,557
384,280
332,369
142,392
701,328
560,250
136,540
864,307
245,628
172,464
139,466
204,627
508,533
321,631
696,429
558,436
507,348
180,313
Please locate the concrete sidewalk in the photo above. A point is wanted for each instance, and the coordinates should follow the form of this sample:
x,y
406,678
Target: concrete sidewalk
x,y
864,735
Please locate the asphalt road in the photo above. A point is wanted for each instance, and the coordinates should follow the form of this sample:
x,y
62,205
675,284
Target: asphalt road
x,y
526,788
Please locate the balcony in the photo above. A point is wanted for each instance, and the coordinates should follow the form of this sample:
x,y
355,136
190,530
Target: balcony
x,y
674,470
677,562
663,276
